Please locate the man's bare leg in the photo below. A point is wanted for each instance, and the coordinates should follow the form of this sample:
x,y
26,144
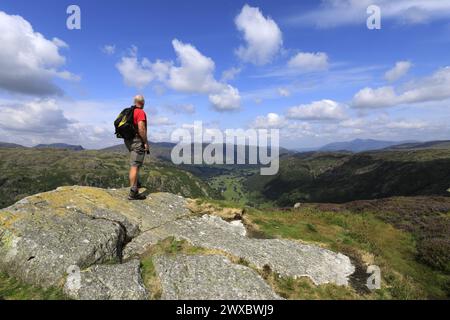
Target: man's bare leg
x,y
134,192
134,172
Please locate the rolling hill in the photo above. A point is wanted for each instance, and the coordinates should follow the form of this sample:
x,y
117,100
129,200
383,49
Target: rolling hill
x,y
359,145
443,144
10,145
59,146
342,177
28,171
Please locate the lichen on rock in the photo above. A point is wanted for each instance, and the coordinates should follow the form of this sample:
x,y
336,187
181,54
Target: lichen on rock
x,y
102,234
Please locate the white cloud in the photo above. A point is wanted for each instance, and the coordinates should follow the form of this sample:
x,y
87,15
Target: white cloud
x,y
193,74
431,88
33,117
270,121
227,99
28,61
399,70
375,98
306,61
44,121
317,110
139,73
262,35
332,13
284,92
230,74
60,43
109,49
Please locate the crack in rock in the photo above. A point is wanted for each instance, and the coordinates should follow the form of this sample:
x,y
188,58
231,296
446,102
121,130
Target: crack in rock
x,y
87,227
209,277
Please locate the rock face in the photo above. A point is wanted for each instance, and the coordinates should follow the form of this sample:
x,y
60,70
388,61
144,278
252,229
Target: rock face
x,y
98,231
285,257
106,282
209,277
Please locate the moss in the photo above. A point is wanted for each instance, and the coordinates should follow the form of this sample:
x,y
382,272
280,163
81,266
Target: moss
x,y
393,250
13,289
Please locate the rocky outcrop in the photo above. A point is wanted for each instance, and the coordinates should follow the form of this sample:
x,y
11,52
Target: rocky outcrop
x,y
106,282
209,277
104,235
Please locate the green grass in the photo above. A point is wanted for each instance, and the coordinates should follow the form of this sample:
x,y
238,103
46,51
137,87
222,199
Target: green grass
x,y
13,289
168,246
29,171
231,187
359,235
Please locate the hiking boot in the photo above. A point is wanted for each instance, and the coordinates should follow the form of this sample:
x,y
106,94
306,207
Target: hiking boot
x,y
135,195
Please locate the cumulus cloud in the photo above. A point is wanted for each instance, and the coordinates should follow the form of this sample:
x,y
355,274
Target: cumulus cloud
x,y
270,121
28,61
139,73
33,117
317,110
50,121
431,88
306,61
194,73
262,35
332,13
399,70
227,98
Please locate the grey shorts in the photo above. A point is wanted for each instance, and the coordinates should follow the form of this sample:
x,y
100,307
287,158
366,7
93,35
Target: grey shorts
x,y
137,151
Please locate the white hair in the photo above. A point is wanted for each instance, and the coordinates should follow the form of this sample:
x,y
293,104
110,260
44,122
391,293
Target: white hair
x,y
139,98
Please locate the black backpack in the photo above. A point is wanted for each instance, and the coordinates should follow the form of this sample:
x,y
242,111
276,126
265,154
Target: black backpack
x,y
124,124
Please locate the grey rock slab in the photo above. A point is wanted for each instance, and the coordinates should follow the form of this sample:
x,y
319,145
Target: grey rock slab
x,y
209,277
285,257
106,282
40,248
142,243
41,235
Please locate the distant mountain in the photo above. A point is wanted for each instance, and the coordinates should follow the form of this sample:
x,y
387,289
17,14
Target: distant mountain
x,y
162,150
60,146
359,145
443,144
10,145
159,150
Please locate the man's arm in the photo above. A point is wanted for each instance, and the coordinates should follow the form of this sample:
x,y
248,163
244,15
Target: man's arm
x,y
142,131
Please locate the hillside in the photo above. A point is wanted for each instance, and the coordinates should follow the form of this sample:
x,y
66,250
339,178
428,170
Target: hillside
x,y
60,146
159,150
28,171
443,144
359,145
10,145
342,177
169,247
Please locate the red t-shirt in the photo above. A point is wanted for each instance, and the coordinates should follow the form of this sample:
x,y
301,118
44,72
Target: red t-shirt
x,y
139,115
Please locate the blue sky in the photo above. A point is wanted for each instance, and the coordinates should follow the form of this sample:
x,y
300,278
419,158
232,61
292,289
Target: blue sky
x,y
309,68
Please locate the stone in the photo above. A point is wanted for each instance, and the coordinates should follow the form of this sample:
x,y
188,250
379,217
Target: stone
x,y
286,257
107,282
46,238
42,235
209,277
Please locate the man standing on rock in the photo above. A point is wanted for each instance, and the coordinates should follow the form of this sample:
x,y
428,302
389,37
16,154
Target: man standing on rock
x,y
138,147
